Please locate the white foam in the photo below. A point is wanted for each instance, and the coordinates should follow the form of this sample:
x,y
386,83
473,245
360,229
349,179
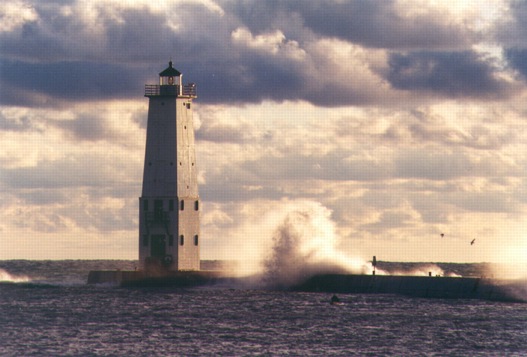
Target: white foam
x,y
11,278
295,241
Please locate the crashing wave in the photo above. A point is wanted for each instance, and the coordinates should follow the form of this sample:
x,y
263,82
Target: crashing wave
x,y
11,278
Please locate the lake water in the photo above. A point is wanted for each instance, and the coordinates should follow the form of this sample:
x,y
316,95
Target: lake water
x,y
54,313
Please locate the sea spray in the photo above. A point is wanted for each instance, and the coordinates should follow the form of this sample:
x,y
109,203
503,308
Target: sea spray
x,y
305,244
294,240
513,270
11,278
422,270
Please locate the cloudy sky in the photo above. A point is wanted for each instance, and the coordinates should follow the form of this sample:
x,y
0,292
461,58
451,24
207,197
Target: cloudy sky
x,y
385,123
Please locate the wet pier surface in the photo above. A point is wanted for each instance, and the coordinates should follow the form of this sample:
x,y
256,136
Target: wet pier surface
x,y
416,286
419,286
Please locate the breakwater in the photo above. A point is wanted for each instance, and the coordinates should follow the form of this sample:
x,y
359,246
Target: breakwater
x,y
415,286
419,286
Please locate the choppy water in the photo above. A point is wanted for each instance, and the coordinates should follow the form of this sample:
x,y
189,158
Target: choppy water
x,y
57,314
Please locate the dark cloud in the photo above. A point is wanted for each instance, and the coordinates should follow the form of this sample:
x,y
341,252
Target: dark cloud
x,y
113,52
21,123
424,127
452,74
70,56
437,165
224,133
388,220
379,24
333,166
431,207
511,30
433,166
232,191
86,171
231,184
86,128
54,210
478,137
251,78
43,197
276,177
77,81
140,117
53,194
88,33
517,59
485,202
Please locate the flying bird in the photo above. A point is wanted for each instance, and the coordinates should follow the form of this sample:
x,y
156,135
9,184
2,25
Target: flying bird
x,y
473,240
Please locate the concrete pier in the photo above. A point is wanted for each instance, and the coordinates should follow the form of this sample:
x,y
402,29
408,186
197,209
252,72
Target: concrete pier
x,y
415,286
419,286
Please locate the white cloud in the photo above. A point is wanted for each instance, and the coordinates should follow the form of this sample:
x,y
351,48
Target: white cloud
x,y
274,43
293,111
14,14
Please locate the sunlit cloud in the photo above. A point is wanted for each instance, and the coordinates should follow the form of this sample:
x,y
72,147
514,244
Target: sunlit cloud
x,y
14,14
390,121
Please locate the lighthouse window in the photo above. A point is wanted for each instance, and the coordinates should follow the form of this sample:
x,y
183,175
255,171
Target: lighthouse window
x,y
188,105
182,205
196,205
196,240
181,240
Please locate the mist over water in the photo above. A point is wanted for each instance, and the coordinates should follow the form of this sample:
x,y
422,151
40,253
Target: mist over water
x,y
302,242
508,271
298,240
12,278
305,245
426,269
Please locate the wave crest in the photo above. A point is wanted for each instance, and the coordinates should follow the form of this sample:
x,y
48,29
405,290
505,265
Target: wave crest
x,y
305,244
12,278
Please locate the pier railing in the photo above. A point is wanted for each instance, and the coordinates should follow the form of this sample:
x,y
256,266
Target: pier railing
x,y
186,90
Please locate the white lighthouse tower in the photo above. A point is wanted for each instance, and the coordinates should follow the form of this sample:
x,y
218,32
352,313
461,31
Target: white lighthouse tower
x,y
169,206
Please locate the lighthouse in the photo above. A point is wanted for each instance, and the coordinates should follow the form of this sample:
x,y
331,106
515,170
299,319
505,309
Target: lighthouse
x,y
169,206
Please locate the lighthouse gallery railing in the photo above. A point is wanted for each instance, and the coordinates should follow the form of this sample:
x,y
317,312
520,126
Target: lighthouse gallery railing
x,y
187,90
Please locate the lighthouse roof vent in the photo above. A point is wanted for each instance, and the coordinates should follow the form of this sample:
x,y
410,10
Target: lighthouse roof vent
x,y
170,71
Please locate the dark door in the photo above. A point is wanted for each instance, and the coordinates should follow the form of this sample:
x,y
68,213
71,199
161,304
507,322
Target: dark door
x,y
158,246
158,210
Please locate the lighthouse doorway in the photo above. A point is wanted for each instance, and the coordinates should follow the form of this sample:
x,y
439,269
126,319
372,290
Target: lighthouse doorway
x,y
158,246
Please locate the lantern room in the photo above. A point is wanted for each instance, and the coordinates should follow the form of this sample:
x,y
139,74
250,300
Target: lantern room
x,y
170,84
170,76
